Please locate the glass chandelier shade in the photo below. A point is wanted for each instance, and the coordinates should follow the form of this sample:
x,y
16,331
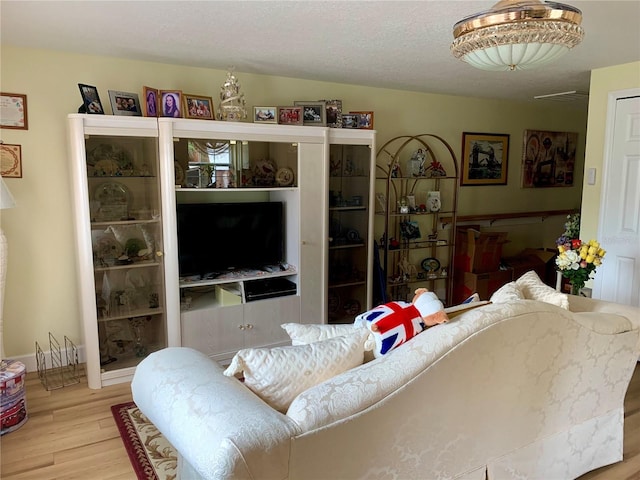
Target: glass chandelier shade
x,y
517,35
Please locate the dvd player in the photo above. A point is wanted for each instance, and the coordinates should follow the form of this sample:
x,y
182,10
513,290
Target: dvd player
x,y
268,288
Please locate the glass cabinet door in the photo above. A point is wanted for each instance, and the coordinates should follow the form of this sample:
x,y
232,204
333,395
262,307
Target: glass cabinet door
x,y
349,243
126,240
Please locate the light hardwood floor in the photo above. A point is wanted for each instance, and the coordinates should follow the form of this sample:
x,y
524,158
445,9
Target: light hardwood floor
x,y
71,434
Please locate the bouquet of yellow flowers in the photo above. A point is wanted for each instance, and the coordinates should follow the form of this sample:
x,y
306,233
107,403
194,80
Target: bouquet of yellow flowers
x,y
576,260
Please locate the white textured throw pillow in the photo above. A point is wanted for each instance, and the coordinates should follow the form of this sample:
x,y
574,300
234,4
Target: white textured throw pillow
x,y
534,289
507,293
280,374
304,333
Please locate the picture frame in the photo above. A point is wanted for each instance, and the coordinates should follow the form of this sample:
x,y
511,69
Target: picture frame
x,y
91,103
265,114
334,113
485,158
290,115
198,106
170,103
125,103
13,111
548,158
365,119
10,160
313,113
150,95
350,120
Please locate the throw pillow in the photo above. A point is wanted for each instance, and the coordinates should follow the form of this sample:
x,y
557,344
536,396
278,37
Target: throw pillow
x,y
278,375
507,293
534,289
303,333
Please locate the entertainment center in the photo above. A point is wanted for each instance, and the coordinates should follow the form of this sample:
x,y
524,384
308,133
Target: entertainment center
x,y
212,234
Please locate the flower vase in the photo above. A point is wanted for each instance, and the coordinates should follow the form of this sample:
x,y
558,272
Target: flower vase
x,y
575,288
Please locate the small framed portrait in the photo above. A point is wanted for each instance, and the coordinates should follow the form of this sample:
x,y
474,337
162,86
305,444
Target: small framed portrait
x,y
334,113
13,111
265,114
365,119
350,120
196,106
90,100
313,113
484,158
150,101
170,103
290,115
125,103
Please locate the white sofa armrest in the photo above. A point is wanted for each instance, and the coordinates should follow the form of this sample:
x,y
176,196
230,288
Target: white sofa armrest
x,y
221,428
584,304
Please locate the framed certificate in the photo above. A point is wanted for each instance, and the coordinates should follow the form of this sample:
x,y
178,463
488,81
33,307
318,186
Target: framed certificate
x,y
13,111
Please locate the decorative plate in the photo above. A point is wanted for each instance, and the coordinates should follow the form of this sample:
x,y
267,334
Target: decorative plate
x,y
113,193
430,264
284,177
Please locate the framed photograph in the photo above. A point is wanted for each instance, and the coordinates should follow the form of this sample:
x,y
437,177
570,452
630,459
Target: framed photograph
x,y
125,103
290,115
313,113
10,161
265,114
196,106
365,119
350,120
13,111
170,103
334,113
90,100
548,158
484,158
150,101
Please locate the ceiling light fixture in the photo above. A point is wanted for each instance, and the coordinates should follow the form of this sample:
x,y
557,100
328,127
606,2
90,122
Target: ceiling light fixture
x,y
517,35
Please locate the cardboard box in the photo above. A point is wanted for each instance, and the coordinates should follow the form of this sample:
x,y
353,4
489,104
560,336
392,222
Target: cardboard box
x,y
478,252
484,284
227,295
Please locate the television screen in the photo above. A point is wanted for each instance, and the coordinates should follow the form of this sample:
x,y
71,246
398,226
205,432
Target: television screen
x,y
216,237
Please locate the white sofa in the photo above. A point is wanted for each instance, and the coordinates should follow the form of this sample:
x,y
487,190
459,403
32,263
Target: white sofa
x,y
521,389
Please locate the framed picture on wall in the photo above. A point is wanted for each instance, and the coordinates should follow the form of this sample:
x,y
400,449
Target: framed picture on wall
x,y
484,158
548,158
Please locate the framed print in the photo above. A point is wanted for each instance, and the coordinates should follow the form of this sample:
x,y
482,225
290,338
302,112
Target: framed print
x,y
125,103
265,114
313,113
196,106
150,101
170,103
350,120
13,111
90,100
290,115
10,161
334,113
365,119
484,158
548,158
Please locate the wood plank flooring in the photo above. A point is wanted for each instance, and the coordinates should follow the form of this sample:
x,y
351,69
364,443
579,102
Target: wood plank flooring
x,y
71,435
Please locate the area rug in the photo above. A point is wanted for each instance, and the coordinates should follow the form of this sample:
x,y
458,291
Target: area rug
x,y
152,456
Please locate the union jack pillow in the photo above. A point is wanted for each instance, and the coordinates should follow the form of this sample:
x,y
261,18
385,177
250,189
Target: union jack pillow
x,y
392,324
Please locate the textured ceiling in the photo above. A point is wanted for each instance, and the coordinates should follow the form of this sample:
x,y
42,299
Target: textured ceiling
x,y
392,44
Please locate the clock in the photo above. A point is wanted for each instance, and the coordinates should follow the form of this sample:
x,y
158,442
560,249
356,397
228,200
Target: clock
x,y
284,177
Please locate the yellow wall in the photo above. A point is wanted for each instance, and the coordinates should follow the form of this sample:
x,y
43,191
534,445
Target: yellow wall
x,y
40,293
603,82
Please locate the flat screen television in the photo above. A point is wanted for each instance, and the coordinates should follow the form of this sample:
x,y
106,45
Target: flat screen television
x,y
216,237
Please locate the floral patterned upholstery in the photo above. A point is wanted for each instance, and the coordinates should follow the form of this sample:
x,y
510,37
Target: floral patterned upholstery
x,y
521,389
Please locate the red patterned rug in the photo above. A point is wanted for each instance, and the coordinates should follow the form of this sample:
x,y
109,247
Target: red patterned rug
x,y
152,456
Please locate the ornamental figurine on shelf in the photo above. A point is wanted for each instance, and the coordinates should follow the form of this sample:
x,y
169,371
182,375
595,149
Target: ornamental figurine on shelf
x,y
232,104
416,163
436,169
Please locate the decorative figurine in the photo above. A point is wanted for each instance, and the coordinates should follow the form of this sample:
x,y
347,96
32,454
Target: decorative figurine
x,y
232,104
